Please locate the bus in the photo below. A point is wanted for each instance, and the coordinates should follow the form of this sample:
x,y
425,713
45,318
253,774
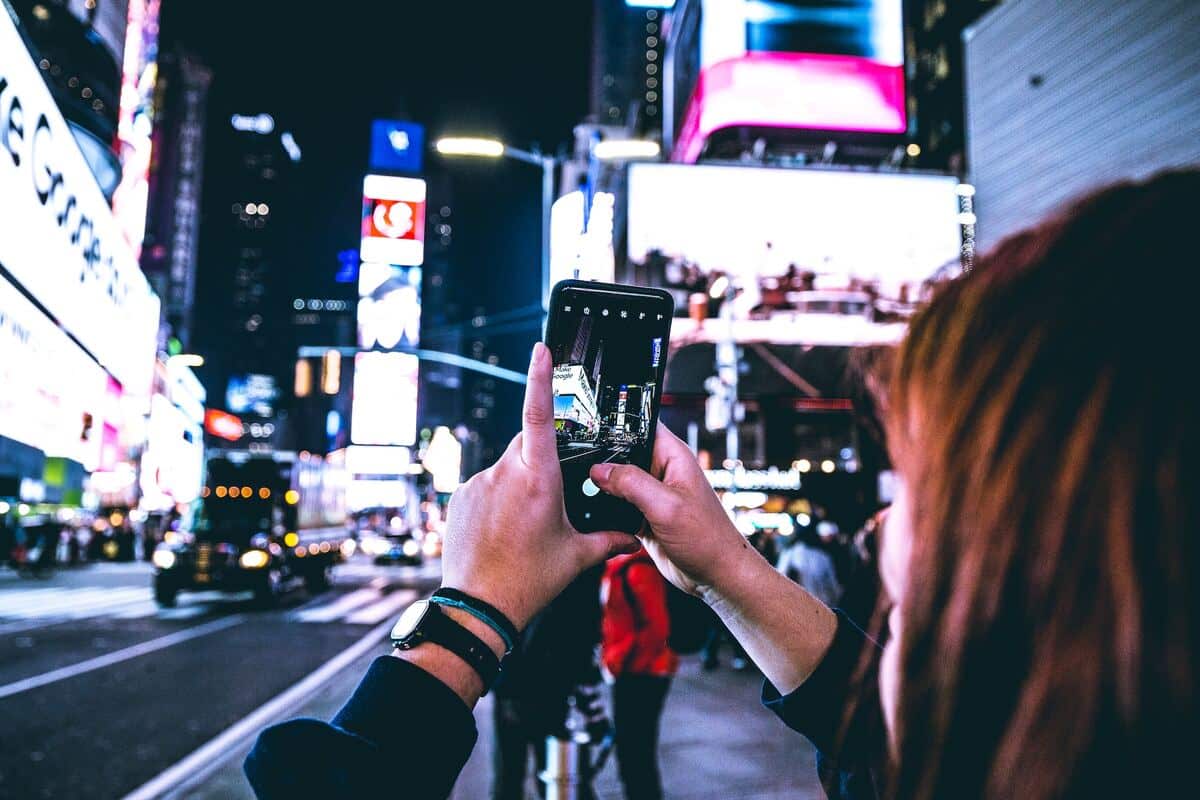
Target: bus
x,y
267,523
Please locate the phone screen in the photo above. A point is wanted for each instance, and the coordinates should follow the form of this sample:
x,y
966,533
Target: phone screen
x,y
609,345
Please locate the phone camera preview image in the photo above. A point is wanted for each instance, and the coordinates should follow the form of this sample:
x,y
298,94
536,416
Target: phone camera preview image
x,y
609,350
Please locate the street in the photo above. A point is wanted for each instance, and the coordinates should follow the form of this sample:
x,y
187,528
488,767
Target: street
x,y
100,691
104,695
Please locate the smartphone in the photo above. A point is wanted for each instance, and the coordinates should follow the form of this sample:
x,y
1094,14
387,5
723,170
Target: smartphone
x,y
609,345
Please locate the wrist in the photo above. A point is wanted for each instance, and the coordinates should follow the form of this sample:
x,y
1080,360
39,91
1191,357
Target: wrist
x,y
510,607
478,627
448,668
734,574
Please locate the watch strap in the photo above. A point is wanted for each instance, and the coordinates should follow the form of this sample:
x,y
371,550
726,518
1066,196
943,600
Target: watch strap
x,y
438,628
482,611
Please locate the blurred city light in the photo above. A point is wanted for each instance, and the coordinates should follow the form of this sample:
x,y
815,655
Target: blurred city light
x,y
331,372
626,149
253,123
186,360
469,146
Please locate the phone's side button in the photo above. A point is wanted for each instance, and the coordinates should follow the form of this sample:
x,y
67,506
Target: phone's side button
x,y
590,488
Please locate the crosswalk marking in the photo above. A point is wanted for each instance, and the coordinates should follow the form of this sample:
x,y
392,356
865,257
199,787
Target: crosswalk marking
x,y
41,607
67,602
349,602
386,607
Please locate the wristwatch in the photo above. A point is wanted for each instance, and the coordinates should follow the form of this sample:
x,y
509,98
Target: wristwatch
x,y
424,621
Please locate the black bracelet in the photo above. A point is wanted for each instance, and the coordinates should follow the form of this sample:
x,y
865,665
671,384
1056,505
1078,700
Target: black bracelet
x,y
484,612
437,628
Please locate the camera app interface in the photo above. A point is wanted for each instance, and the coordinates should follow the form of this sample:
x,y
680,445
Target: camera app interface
x,y
609,353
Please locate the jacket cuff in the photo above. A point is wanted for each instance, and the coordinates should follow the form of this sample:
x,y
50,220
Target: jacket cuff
x,y
816,707
393,694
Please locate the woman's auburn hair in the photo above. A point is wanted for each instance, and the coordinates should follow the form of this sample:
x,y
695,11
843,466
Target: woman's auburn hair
x,y
1043,415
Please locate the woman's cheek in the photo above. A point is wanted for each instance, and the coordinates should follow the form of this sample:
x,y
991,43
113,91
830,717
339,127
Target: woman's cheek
x,y
889,677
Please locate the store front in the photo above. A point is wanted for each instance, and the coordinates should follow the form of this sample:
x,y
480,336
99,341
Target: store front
x,y
78,320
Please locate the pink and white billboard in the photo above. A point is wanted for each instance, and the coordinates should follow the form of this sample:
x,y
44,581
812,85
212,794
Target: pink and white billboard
x,y
821,65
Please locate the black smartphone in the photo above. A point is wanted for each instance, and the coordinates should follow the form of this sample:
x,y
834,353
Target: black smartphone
x,y
609,345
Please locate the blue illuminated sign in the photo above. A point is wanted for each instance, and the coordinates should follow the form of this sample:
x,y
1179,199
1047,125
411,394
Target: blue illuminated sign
x,y
397,146
347,267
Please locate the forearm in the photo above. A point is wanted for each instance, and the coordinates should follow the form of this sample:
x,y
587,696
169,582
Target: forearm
x,y
784,629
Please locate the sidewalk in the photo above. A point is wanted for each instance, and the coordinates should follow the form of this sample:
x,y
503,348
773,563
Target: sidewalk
x,y
717,743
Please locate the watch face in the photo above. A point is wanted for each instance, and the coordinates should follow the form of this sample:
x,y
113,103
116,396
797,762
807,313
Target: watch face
x,y
409,620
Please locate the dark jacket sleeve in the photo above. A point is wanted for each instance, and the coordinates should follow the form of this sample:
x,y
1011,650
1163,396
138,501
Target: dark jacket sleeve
x,y
828,702
402,734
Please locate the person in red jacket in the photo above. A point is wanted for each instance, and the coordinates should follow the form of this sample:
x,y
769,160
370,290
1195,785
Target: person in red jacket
x,y
634,651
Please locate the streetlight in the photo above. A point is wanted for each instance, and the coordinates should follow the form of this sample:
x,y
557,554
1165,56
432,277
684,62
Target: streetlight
x,y
478,147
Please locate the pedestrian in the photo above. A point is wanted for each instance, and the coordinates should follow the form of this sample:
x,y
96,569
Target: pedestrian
x,y
636,655
1039,554
553,666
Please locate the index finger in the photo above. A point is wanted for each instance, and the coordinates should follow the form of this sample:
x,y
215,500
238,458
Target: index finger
x,y
539,449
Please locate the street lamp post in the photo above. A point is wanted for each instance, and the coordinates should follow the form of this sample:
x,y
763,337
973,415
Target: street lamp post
x,y
491,148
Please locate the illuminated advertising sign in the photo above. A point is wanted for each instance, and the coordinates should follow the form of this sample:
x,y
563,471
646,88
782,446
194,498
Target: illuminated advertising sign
x,y
389,309
251,394
139,73
393,220
396,146
172,464
364,459
53,396
223,425
843,227
443,460
384,410
60,241
826,65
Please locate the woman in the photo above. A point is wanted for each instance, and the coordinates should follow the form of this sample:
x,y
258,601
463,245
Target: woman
x,y
1039,556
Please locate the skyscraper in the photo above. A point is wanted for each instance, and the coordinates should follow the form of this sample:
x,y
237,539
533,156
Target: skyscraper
x,y
244,279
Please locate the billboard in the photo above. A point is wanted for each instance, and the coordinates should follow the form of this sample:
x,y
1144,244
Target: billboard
x,y
223,425
396,146
53,396
825,65
389,306
843,228
384,410
172,466
139,74
61,242
252,393
393,220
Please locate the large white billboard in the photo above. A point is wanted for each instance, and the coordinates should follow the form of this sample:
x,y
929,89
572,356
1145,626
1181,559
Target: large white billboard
x,y
844,227
384,410
58,237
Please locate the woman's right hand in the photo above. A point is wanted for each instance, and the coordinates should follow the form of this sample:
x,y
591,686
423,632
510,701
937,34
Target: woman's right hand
x,y
687,533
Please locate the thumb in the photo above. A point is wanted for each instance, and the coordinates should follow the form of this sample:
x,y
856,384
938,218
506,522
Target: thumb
x,y
597,547
633,484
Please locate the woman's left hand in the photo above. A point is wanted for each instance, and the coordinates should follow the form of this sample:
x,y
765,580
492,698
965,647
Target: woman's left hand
x,y
508,541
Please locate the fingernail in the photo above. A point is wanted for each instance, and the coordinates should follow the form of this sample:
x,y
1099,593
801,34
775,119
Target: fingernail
x,y
602,471
536,356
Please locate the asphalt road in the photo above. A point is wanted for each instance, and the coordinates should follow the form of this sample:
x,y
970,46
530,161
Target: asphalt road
x,y
100,691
